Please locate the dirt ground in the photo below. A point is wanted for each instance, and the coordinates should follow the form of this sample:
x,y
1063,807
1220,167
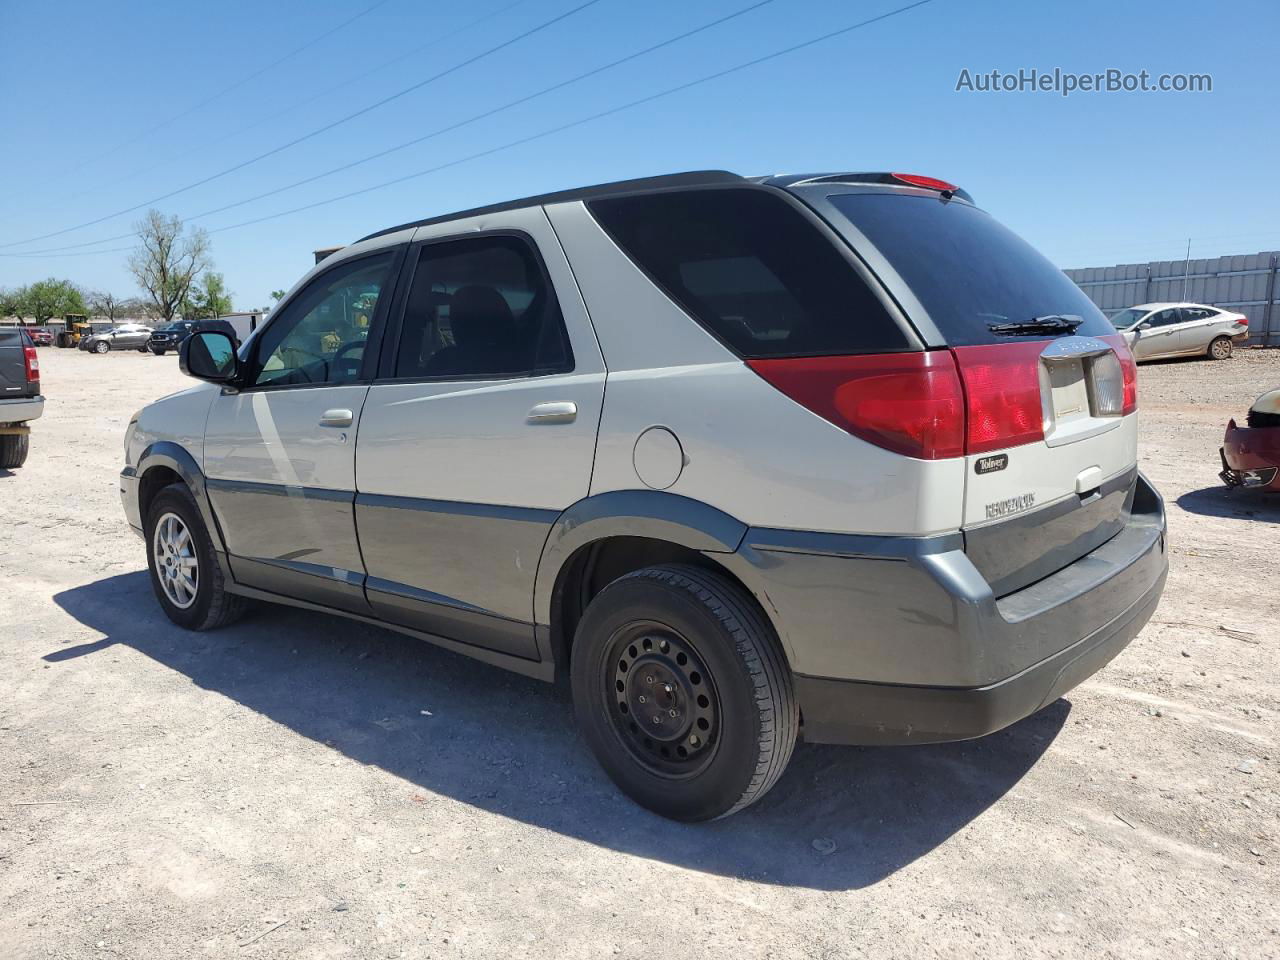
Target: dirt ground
x,y
301,786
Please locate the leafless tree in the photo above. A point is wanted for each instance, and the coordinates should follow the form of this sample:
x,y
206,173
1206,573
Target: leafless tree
x,y
103,304
167,261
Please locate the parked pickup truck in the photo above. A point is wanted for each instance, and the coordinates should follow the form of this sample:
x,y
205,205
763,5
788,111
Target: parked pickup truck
x,y
20,400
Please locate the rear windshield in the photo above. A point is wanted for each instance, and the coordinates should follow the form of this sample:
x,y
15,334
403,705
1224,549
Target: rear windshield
x,y
967,270
753,271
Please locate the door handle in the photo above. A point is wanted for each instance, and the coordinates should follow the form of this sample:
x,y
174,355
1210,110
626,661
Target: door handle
x,y
564,411
336,418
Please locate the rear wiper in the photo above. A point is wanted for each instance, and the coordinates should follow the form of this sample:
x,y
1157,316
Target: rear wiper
x,y
1050,323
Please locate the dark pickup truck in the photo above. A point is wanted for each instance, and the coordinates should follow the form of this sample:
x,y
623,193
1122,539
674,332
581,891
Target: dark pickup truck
x,y
20,399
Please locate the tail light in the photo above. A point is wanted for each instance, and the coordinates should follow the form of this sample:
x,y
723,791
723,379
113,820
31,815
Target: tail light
x,y
1129,368
31,361
1242,321
942,403
1002,390
910,403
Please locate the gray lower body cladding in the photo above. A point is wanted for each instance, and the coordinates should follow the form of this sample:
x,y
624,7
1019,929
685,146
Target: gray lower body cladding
x,y
911,645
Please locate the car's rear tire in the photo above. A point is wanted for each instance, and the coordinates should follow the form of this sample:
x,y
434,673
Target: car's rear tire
x,y
143,348
682,691
14,449
101,347
185,575
1220,348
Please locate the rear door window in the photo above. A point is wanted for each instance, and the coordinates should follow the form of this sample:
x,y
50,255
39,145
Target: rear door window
x,y
481,308
967,270
753,271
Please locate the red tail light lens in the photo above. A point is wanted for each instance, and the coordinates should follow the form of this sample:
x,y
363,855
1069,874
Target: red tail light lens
x,y
929,183
32,362
1002,389
1130,368
910,403
1242,321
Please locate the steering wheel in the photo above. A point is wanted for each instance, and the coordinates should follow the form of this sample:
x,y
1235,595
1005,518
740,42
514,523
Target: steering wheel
x,y
351,365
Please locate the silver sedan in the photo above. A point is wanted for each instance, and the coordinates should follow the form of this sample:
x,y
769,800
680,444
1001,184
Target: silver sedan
x,y
1158,330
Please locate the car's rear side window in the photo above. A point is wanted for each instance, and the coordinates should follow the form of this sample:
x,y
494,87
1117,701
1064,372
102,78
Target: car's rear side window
x,y
966,269
481,308
753,271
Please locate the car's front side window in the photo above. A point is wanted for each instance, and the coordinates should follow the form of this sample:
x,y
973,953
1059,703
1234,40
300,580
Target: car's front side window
x,y
320,336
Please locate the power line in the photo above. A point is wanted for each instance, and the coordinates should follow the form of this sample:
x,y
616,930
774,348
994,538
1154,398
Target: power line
x,y
221,93
297,105
584,120
314,133
455,126
670,91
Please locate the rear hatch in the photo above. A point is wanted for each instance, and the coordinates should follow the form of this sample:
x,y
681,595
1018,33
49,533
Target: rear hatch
x,y
1049,387
19,368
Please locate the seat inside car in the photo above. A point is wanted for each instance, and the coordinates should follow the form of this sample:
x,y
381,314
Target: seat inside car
x,y
485,336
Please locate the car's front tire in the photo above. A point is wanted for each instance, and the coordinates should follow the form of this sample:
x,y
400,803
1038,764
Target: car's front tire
x,y
1220,348
13,450
101,347
682,691
185,575
158,353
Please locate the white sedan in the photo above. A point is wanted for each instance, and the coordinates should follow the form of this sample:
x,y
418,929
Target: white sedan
x,y
1157,330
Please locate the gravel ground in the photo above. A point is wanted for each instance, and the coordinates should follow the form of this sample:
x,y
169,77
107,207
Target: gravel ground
x,y
300,786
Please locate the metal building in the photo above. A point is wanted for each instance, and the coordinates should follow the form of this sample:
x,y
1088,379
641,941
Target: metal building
x,y
1242,282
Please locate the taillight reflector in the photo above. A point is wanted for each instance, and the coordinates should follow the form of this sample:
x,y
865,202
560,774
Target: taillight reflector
x,y
1002,390
929,183
910,403
1130,368
1242,321
31,361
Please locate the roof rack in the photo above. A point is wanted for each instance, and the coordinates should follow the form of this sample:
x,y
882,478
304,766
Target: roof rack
x,y
697,178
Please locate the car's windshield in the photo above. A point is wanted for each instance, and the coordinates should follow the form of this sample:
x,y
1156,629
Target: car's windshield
x,y
1127,318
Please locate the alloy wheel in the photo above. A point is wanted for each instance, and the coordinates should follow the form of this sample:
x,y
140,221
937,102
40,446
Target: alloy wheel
x,y
174,555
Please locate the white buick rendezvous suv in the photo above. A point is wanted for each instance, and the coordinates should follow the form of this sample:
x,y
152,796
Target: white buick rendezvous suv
x,y
833,456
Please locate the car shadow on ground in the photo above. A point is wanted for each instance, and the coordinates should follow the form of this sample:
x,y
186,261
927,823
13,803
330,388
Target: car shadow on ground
x,y
1234,504
507,744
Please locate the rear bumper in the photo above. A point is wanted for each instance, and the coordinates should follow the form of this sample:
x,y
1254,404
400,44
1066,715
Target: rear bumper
x,y
903,640
21,410
844,711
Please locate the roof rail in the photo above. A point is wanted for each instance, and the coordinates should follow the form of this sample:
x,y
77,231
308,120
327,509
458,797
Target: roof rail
x,y
697,178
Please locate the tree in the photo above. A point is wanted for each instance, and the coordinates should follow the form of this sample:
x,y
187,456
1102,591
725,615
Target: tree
x,y
107,305
276,295
11,301
51,298
167,261
208,298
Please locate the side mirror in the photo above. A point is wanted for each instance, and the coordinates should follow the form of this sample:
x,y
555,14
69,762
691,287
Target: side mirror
x,y
1144,325
209,356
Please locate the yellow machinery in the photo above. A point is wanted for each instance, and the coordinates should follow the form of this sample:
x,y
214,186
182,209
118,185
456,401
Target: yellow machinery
x,y
76,326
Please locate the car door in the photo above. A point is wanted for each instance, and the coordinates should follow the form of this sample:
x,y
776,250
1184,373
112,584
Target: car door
x,y
1157,336
280,450
1195,330
479,432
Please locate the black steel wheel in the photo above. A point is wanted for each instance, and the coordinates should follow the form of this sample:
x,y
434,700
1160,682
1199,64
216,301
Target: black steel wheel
x,y
667,707
682,691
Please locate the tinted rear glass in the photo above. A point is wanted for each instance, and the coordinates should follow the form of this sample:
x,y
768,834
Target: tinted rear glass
x,y
753,271
965,268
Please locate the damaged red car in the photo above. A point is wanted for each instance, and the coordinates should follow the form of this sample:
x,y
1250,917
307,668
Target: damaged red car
x,y
1251,454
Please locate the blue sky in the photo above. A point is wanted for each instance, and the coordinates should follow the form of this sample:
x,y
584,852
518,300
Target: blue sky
x,y
1090,179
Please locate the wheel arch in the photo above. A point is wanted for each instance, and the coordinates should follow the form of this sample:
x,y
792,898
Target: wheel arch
x,y
165,462
609,535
